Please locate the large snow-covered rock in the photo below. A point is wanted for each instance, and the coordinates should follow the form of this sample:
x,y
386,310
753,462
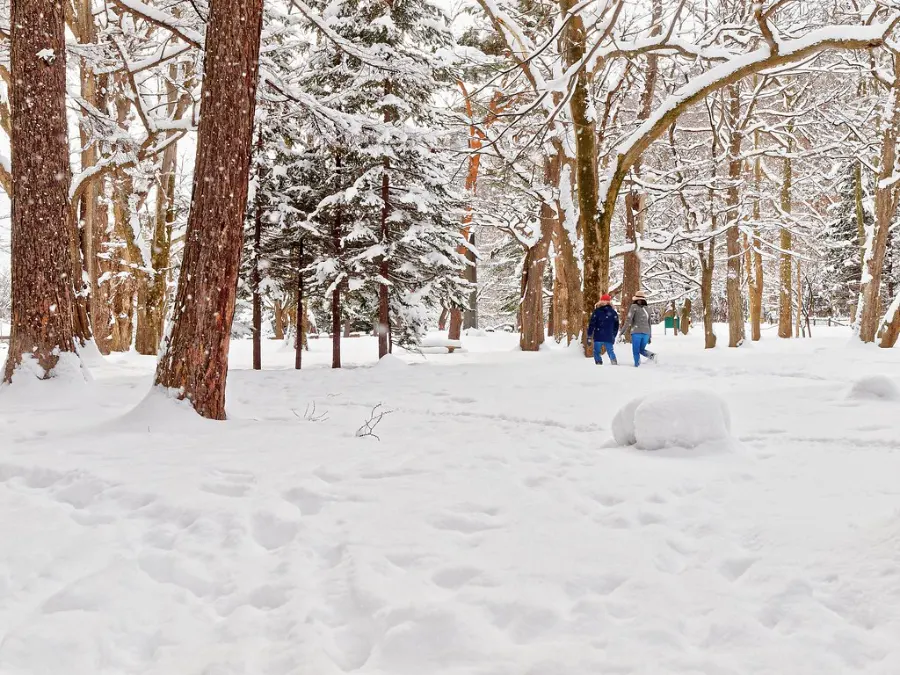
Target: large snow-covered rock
x,y
875,388
682,419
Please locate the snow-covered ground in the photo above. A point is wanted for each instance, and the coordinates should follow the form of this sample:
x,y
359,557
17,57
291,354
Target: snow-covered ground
x,y
495,528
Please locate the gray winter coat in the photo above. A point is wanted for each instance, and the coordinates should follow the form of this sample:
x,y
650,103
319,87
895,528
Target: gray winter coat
x,y
638,319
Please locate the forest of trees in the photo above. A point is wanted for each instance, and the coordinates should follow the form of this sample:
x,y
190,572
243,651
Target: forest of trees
x,y
185,171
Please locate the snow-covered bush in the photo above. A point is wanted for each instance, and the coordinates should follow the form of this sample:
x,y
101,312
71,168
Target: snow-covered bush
x,y
683,419
875,388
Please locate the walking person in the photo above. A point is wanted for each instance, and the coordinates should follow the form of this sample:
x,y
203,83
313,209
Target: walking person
x,y
638,320
602,330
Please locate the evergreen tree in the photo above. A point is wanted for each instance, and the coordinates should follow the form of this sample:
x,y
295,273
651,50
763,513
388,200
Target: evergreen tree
x,y
843,244
392,213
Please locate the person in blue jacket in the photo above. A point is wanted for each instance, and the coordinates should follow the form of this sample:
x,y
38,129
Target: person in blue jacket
x,y
603,328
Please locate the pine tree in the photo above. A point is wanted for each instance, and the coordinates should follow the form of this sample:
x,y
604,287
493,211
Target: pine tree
x,y
392,212
843,244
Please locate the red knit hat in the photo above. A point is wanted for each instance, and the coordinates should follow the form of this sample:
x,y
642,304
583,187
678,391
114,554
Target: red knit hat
x,y
606,297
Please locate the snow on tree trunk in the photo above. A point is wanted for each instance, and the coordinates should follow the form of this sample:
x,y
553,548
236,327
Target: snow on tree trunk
x,y
734,296
531,309
470,315
754,260
891,323
194,362
42,298
707,268
594,232
885,208
785,295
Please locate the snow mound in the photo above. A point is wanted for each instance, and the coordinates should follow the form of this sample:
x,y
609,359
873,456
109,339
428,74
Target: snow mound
x,y
161,411
874,388
390,362
476,332
682,419
69,372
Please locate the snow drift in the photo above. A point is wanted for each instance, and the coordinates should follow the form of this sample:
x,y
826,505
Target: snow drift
x,y
874,388
682,419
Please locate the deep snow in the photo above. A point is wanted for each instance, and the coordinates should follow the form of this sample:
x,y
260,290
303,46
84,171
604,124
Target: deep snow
x,y
496,528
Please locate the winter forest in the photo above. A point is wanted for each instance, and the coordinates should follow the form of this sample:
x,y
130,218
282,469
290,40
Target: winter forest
x,y
201,198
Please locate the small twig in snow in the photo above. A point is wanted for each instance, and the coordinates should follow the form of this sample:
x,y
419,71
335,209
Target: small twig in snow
x,y
310,415
368,427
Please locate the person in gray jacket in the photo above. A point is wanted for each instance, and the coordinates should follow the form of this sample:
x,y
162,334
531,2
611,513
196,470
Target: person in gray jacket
x,y
638,320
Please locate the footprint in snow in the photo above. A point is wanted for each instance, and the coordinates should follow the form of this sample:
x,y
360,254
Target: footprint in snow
x,y
606,499
310,503
453,578
272,532
227,483
734,568
469,519
464,524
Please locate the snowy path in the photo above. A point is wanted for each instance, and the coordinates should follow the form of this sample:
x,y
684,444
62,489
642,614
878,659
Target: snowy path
x,y
494,530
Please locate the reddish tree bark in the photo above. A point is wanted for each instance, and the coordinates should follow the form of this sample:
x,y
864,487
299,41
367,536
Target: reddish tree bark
x,y
42,298
195,359
301,326
384,303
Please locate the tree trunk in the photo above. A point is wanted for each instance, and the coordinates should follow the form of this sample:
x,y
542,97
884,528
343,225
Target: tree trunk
x,y
753,256
42,298
636,199
470,315
596,236
799,301
755,307
785,296
456,320
384,301
567,296
195,360
278,324
336,326
885,208
532,301
631,265
255,276
732,234
891,330
860,227
93,222
551,313
707,267
151,305
300,337
686,317
532,304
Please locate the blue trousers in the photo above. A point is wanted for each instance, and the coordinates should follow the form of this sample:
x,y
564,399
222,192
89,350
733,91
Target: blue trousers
x,y
639,342
609,350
